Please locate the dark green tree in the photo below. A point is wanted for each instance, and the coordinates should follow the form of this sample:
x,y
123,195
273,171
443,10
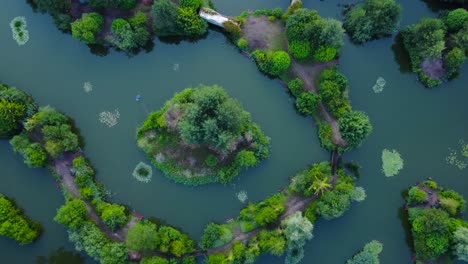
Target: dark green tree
x,y
354,127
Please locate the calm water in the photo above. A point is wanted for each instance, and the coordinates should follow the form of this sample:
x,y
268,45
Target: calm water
x,y
421,124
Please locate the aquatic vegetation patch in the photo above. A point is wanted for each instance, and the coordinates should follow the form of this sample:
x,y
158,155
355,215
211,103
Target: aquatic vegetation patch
x,y
379,85
87,87
392,162
358,194
108,118
143,172
19,31
458,157
175,67
242,196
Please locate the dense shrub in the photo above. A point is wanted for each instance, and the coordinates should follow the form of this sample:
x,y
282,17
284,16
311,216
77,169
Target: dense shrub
x,y
87,27
456,19
461,243
113,215
452,62
265,212
324,53
243,44
416,195
372,19
233,29
307,103
73,214
368,255
335,203
190,24
15,225
295,87
299,49
165,13
297,230
354,127
128,35
313,181
15,107
143,236
104,4
191,3
272,63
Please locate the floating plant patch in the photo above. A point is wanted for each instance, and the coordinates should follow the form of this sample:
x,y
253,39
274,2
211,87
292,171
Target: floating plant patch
x,y
242,196
392,162
87,87
109,119
358,194
19,31
143,172
379,85
458,158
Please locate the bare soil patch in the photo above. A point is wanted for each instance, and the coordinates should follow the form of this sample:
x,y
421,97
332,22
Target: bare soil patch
x,y
262,33
433,68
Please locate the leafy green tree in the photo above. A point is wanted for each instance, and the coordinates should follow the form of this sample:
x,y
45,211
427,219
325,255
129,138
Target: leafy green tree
x,y
297,23
460,237
52,6
73,214
35,156
90,239
272,63
154,260
190,24
20,142
114,253
212,118
113,215
452,61
299,49
368,255
165,15
246,159
331,34
307,103
424,40
324,53
372,19
59,138
335,203
416,195
460,39
431,232
10,116
272,241
104,4
143,236
456,19
174,242
354,127
295,86
123,34
195,4
87,27
212,233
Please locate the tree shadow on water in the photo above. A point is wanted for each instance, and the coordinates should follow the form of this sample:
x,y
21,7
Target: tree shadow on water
x,y
400,54
61,256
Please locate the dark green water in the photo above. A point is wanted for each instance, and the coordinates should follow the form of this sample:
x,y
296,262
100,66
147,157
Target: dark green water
x,y
421,124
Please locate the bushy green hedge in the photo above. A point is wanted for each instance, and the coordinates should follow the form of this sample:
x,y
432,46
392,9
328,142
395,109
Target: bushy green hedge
x,y
15,225
272,63
299,49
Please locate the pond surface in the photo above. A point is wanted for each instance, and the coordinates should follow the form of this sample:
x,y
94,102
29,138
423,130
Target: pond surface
x,y
419,123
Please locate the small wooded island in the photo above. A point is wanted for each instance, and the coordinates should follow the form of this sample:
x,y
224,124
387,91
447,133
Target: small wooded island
x,y
202,135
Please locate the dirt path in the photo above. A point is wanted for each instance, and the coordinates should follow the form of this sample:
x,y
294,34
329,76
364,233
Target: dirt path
x,y
308,74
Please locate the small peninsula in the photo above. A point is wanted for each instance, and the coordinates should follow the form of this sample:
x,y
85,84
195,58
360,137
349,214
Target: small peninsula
x,y
201,136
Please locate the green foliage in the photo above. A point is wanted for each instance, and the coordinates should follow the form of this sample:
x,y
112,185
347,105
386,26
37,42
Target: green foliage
x,y
113,215
297,230
392,162
20,143
59,138
295,87
416,195
128,36
195,4
73,214
211,161
456,19
212,118
332,84
426,80
307,103
90,239
246,159
265,212
324,53
272,62
291,9
272,241
372,19
174,242
368,255
460,237
315,180
15,107
143,172
311,212
299,49
424,40
233,29
212,233
454,202
154,260
143,236
431,232
114,253
190,24
354,127
335,203
15,225
107,4
165,15
52,6
452,61
35,156
87,27
325,134
243,44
